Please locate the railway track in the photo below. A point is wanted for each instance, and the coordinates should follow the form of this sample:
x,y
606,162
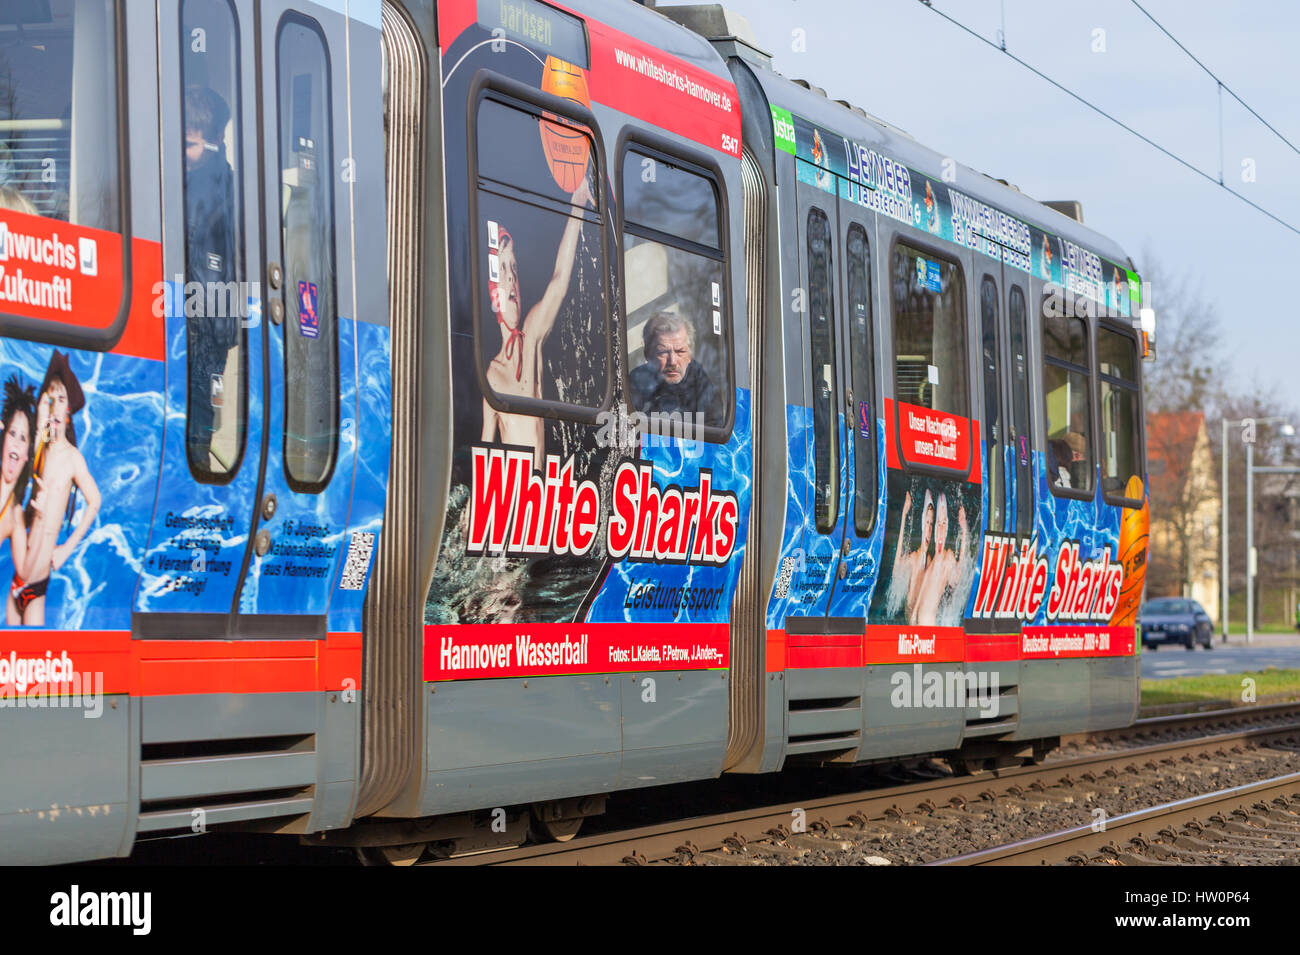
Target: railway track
x,y
1164,727
818,829
1258,822
836,823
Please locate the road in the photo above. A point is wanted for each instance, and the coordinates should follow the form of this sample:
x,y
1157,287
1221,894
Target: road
x,y
1234,657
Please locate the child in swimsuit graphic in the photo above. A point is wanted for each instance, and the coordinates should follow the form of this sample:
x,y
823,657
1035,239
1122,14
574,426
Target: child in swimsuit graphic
x,y
910,565
517,367
944,569
58,469
18,420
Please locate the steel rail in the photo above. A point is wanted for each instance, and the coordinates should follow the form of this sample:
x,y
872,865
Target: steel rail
x,y
703,833
1226,715
1146,824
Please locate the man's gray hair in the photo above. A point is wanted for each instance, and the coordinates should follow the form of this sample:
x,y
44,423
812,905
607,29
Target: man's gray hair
x,y
666,323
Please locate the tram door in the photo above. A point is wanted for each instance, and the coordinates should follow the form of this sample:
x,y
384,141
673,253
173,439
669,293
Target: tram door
x,y
860,405
1008,441
258,441
825,465
1020,440
999,450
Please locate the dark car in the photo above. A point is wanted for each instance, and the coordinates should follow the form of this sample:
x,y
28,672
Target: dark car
x,y
1176,620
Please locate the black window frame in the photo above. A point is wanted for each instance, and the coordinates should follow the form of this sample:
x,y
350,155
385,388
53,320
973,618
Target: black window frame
x,y
1027,469
236,116
991,444
658,147
867,529
310,487
516,95
105,338
1078,494
930,250
835,455
1130,335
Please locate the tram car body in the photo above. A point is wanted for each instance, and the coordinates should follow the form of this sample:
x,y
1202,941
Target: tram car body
x,y
417,410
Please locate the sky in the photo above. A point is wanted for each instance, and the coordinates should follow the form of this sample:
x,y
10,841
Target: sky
x,y
901,61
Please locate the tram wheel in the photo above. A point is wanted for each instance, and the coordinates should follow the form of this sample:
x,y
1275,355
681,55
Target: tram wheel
x,y
556,830
391,855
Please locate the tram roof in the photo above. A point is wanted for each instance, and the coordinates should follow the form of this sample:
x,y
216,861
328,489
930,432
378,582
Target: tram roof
x,y
857,125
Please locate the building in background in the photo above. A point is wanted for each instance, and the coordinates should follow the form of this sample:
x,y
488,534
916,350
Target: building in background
x,y
1184,556
1277,543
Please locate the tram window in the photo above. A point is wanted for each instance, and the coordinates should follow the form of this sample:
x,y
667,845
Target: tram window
x,y
1120,415
1067,398
217,390
993,427
60,159
862,355
929,332
1116,356
821,317
543,323
58,74
678,316
1020,434
311,410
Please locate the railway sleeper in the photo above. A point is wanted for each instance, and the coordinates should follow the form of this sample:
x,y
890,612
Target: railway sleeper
x,y
828,842
1173,853
777,850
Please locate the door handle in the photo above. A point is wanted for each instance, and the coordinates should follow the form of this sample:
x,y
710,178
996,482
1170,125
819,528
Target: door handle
x,y
275,279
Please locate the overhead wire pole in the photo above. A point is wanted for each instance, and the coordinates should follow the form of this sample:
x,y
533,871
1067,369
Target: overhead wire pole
x,y
1209,177
1223,539
1250,542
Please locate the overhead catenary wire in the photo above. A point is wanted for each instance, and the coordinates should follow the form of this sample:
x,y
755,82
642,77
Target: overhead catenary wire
x,y
1223,87
1209,177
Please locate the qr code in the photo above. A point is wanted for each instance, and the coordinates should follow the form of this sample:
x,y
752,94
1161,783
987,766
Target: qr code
x,y
788,565
359,551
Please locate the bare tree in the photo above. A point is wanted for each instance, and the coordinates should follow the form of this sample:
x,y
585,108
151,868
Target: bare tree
x,y
1191,371
1184,387
1183,494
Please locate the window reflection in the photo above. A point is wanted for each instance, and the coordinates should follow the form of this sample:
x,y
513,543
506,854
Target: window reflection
x,y
1066,395
58,74
678,350
929,332
216,393
307,236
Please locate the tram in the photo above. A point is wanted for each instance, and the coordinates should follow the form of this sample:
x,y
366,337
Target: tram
x,y
424,421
